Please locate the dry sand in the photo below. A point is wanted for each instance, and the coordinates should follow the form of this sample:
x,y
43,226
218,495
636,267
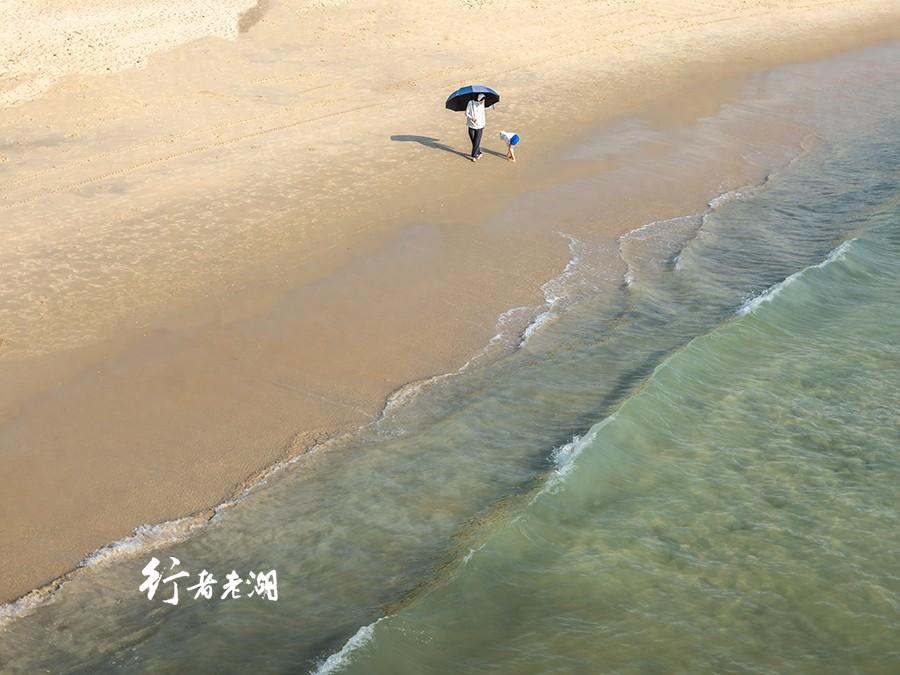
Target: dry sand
x,y
215,251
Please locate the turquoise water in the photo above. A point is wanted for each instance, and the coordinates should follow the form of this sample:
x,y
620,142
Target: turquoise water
x,y
697,474
737,513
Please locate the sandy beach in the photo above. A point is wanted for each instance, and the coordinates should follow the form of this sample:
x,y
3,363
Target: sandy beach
x,y
228,236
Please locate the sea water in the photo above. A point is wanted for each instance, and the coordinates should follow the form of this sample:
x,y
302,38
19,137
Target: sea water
x,y
697,474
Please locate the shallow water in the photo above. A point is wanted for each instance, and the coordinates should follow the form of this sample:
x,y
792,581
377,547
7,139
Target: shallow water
x,y
696,473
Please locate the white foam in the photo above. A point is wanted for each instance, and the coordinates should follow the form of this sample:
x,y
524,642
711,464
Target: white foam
x,y
556,290
650,228
506,337
752,304
729,196
27,604
342,658
144,538
643,233
565,457
508,333
148,537
472,551
538,323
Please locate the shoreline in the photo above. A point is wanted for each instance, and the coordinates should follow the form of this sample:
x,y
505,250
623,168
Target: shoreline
x,y
155,536
449,356
150,536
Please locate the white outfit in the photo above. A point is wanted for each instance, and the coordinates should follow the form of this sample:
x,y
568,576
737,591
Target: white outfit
x,y
475,109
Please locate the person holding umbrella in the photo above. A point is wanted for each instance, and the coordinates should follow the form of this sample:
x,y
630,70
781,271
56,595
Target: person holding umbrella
x,y
473,99
475,120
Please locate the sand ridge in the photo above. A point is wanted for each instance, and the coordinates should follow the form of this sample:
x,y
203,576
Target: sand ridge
x,y
48,40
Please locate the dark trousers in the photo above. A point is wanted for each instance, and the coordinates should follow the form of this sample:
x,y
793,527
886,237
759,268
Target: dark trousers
x,y
475,136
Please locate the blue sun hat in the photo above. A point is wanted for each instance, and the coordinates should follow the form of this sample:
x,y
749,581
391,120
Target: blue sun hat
x,y
509,137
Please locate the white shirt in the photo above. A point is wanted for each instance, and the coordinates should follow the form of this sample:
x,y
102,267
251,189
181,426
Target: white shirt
x,y
475,110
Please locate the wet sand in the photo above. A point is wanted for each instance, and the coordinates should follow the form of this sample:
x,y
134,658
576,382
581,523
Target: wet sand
x,y
245,246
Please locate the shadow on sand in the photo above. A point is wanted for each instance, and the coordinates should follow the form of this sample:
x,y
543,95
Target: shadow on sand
x,y
428,142
435,143
501,155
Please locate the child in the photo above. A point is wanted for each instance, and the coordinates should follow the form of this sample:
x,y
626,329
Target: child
x,y
511,138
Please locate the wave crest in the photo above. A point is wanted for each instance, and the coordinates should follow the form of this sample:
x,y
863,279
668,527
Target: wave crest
x,y
752,304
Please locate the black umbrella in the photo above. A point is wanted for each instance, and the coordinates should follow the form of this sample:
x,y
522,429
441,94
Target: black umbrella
x,y
461,97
